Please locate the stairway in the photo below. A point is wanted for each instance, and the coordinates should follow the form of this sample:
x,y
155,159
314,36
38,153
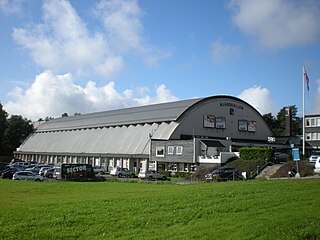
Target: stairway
x,y
268,171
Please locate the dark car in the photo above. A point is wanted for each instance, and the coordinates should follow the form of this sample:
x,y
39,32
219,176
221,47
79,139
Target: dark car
x,y
224,174
8,173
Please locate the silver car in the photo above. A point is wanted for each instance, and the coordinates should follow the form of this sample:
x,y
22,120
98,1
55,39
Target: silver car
x,y
27,176
122,172
151,175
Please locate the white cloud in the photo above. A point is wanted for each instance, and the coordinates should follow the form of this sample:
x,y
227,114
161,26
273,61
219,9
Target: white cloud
x,y
259,98
10,6
316,102
221,52
63,42
52,95
277,24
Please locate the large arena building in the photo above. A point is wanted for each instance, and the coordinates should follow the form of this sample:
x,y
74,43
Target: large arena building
x,y
177,136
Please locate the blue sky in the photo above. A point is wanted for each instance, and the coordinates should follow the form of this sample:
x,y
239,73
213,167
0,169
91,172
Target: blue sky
x,y
87,56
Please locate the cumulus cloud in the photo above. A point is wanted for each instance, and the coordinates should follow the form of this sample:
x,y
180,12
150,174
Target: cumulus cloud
x,y
277,24
259,98
10,7
52,95
63,43
221,52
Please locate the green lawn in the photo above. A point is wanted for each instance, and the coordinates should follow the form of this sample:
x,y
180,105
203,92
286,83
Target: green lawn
x,y
277,209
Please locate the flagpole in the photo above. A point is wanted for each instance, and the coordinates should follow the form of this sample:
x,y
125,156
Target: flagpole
x,y
303,120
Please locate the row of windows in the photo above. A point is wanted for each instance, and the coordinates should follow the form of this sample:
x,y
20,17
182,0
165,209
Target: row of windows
x,y
315,136
171,150
313,122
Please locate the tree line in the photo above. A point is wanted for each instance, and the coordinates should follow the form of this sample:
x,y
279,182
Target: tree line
x,y
13,131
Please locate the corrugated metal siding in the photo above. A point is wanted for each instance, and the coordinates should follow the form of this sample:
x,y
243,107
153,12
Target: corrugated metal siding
x,y
132,139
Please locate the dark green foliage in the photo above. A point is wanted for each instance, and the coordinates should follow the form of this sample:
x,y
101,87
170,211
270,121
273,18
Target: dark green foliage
x,y
255,153
250,167
166,173
277,124
13,131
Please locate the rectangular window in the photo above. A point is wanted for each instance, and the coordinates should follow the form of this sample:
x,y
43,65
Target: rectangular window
x,y
231,111
308,122
318,122
179,150
313,122
170,150
160,151
308,136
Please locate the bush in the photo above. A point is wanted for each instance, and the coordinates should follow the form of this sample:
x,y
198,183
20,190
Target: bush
x,y
305,169
182,174
255,153
166,173
198,175
246,166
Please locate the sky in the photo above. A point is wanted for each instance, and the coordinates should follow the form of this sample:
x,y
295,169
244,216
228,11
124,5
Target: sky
x,y
81,56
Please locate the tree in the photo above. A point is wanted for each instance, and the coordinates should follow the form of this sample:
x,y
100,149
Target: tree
x,y
17,130
278,124
3,125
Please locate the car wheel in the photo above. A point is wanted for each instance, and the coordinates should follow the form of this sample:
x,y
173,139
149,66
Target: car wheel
x,y
132,175
164,178
50,176
150,178
38,180
119,175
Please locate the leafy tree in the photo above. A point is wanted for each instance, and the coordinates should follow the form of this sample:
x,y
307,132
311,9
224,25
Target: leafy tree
x,y
278,124
3,125
17,130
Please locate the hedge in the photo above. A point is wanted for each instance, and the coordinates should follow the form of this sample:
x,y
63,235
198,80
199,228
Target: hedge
x,y
255,153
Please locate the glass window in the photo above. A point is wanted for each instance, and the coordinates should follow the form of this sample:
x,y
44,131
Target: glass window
x,y
179,150
318,122
308,122
314,136
313,122
170,150
308,136
160,151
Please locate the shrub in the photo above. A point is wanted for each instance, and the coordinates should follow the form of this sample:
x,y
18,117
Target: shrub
x,y
246,166
198,175
166,173
255,153
182,174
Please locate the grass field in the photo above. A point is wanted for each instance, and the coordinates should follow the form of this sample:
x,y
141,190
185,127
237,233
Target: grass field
x,y
277,209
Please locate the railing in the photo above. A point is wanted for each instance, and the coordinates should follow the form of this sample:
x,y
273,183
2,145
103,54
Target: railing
x,y
258,170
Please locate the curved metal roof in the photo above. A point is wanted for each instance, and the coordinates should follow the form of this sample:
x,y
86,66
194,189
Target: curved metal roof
x,y
164,112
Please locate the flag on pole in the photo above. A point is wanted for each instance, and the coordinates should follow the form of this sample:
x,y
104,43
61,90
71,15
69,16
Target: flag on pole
x,y
306,78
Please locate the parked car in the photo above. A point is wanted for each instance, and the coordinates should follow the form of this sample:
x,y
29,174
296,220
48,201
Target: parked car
x,y
280,157
122,172
57,173
151,175
224,174
317,166
48,173
36,168
98,169
8,173
42,170
27,175
313,158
